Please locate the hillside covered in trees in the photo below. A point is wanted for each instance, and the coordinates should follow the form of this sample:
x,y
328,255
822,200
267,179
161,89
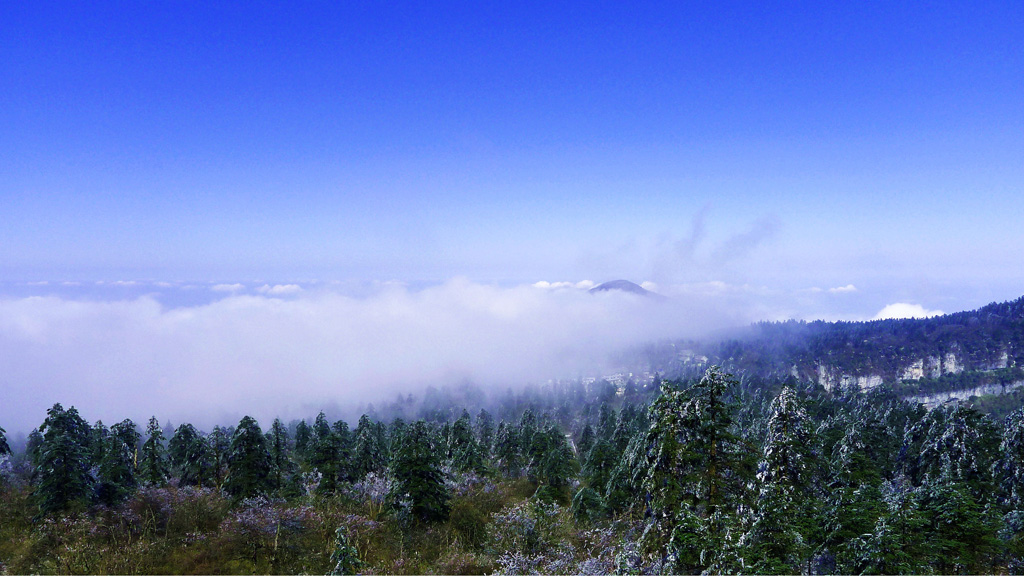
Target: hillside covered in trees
x,y
978,351
703,474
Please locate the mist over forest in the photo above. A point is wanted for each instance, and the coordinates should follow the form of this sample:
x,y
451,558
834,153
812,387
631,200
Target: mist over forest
x,y
289,352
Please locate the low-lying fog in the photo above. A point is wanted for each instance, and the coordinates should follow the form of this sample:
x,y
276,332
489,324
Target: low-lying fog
x,y
287,351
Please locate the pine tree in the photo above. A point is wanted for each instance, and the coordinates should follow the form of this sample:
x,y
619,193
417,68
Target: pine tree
x,y
606,419
219,442
961,530
62,466
897,543
851,512
367,451
485,432
281,466
4,447
585,443
98,436
1011,463
600,464
779,539
396,434
692,468
507,451
303,435
33,447
463,449
558,465
117,470
345,442
249,461
416,469
961,446
153,467
324,453
625,428
524,435
191,456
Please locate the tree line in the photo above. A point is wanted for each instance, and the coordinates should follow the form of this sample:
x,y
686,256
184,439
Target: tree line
x,y
706,476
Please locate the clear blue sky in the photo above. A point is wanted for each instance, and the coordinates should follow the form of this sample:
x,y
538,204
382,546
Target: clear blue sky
x,y
785,145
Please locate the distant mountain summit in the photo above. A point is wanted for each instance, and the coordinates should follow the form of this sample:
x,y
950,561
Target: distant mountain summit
x,y
625,286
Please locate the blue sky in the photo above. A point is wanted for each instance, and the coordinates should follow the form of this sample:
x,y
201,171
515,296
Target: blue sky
x,y
794,159
512,142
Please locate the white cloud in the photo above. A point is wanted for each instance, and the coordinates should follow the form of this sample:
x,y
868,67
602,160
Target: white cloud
x,y
648,285
228,287
280,289
545,285
905,310
266,356
843,289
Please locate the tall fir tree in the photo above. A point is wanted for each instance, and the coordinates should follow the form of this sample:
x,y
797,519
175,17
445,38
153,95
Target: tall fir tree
x,y
367,450
117,468
98,436
4,447
507,452
324,454
153,465
344,442
282,469
61,473
780,539
898,543
219,442
303,434
191,457
1010,468
693,470
463,449
585,443
485,432
248,461
558,465
418,479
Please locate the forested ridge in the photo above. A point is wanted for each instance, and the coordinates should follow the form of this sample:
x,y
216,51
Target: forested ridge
x,y
949,352
696,475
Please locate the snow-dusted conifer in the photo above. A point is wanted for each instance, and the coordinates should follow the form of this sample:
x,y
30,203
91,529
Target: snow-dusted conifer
x,y
153,466
62,467
248,461
779,538
191,457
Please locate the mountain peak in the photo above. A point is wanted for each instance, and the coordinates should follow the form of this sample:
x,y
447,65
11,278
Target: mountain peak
x,y
624,286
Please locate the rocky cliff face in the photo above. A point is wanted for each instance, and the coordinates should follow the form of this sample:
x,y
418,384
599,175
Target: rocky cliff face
x,y
948,363
832,378
939,398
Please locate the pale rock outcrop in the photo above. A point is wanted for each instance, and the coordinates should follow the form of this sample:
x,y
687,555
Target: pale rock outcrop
x,y
831,379
939,398
913,372
950,364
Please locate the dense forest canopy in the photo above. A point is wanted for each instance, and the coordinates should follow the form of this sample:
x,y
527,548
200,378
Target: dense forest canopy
x,y
705,474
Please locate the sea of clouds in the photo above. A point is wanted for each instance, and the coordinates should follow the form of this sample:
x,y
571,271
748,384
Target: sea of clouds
x,y
282,350
211,353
